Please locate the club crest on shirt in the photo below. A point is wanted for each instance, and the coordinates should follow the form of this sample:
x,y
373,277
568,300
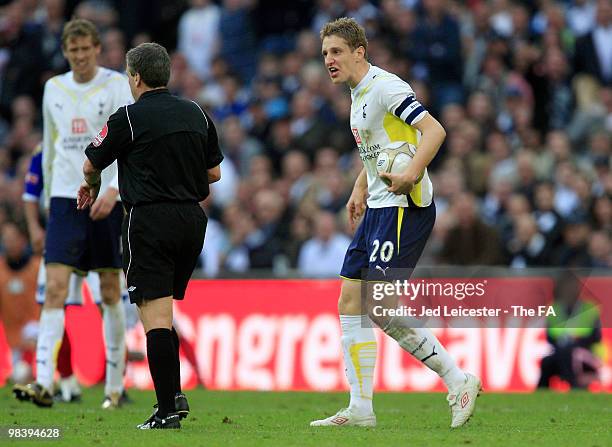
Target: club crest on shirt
x,y
79,126
98,139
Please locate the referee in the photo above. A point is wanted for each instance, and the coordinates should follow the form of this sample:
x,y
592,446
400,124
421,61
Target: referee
x,y
168,153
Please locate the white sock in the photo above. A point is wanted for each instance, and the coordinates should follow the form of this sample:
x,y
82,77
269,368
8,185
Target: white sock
x,y
50,334
114,338
359,349
69,387
425,346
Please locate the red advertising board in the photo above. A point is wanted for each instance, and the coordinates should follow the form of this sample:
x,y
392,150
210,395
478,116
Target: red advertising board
x,y
285,335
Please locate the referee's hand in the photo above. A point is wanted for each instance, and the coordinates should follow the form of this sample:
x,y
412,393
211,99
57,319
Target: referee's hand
x,y
86,195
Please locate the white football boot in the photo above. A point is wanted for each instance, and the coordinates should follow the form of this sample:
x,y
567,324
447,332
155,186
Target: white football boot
x,y
463,401
345,418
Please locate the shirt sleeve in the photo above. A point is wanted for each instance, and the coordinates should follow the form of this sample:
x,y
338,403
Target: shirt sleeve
x,y
214,157
111,141
33,185
399,99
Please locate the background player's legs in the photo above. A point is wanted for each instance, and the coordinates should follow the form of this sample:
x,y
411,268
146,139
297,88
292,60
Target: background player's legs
x,y
156,316
113,316
51,327
69,388
358,347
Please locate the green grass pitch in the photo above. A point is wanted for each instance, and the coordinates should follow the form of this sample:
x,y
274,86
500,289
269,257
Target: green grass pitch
x,y
281,419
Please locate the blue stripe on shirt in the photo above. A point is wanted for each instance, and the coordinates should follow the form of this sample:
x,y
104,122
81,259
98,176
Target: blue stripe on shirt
x,y
412,115
405,103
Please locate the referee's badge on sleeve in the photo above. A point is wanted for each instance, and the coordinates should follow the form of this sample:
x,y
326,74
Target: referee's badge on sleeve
x,y
98,139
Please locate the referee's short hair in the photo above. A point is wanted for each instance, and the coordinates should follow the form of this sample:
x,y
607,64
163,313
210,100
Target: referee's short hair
x,y
152,62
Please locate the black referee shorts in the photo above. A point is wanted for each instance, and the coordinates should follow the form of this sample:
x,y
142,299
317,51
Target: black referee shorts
x,y
161,246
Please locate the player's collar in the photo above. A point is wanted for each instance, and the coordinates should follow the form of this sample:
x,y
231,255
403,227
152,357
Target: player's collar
x,y
369,74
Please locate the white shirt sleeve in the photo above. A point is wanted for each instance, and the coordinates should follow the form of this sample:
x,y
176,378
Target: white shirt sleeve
x,y
398,98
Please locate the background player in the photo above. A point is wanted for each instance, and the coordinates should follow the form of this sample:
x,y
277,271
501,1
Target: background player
x,y
396,225
69,388
75,105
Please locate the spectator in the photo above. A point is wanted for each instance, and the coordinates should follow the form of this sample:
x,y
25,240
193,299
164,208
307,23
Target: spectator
x,y
322,255
573,250
439,53
470,241
198,35
593,51
528,247
600,250
237,37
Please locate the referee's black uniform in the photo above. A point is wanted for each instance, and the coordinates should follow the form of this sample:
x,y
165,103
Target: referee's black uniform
x,y
164,146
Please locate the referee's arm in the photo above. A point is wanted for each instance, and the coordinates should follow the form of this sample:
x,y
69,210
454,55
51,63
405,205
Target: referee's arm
x,y
101,152
214,157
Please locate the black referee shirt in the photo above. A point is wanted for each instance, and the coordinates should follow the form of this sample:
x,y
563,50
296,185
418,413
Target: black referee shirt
x,y
163,146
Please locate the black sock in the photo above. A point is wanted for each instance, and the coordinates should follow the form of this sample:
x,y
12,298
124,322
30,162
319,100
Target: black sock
x,y
160,351
177,362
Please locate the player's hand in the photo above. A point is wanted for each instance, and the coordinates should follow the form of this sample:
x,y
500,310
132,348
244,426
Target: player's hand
x,y
37,239
356,207
401,184
86,195
104,205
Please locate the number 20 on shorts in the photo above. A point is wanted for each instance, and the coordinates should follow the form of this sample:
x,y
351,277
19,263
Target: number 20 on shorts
x,y
385,253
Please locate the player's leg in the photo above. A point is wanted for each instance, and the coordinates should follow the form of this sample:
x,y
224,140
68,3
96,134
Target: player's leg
x,y
51,331
65,246
113,317
69,388
359,346
401,234
105,258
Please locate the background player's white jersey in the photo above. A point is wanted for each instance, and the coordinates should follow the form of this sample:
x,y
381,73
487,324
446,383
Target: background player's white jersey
x,y
383,110
73,114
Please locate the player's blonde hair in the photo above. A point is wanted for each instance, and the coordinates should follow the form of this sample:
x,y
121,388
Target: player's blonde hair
x,y
80,28
348,29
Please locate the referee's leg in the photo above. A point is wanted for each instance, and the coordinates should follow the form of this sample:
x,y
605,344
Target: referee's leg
x,y
156,316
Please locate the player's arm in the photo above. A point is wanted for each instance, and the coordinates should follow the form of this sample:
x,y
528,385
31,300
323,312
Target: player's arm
x,y
101,152
356,204
214,157
432,137
32,191
399,99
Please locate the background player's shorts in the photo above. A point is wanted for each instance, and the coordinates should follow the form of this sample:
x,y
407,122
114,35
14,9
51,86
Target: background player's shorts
x,y
75,287
162,243
75,240
391,237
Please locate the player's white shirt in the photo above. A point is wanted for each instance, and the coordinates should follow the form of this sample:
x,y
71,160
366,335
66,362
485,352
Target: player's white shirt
x,y
383,109
73,114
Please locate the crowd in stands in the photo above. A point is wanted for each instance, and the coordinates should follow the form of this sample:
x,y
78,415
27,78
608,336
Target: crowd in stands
x,y
523,89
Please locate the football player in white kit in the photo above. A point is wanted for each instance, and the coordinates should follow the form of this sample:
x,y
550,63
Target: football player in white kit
x,y
75,106
397,220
